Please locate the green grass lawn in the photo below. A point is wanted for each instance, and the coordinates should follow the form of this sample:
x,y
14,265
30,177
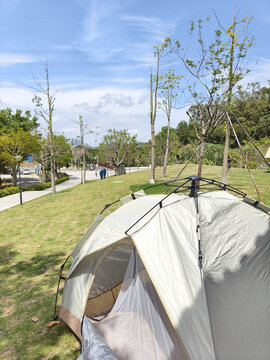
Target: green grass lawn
x,y
36,238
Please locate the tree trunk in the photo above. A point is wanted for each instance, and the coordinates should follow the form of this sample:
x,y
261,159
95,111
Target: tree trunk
x,y
53,176
226,152
51,144
84,168
43,173
201,156
153,144
166,150
227,138
152,121
14,175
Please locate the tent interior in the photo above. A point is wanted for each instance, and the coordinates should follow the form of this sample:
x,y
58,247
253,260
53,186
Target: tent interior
x,y
124,308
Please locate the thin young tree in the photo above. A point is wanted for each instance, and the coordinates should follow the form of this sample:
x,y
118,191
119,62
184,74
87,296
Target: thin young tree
x,y
214,76
46,113
238,42
205,70
169,85
83,132
83,127
159,52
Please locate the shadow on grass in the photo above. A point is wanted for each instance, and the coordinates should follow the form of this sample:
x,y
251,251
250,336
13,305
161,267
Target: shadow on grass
x,y
28,289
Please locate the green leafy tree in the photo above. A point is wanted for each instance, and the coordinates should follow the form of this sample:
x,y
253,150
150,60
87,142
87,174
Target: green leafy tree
x,y
63,152
117,146
252,107
144,154
162,143
13,121
17,143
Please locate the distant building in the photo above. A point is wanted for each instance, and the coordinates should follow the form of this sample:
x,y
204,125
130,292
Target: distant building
x,y
75,141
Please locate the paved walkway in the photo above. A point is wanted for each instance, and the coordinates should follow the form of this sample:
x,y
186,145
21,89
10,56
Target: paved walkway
x,y
74,179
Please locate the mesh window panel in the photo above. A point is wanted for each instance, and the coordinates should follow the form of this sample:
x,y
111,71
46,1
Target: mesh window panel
x,y
138,327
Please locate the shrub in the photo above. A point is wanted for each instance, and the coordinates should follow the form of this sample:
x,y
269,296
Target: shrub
x,y
37,187
9,191
63,178
42,186
252,164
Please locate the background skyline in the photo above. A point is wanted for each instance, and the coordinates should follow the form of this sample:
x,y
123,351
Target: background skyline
x,y
100,54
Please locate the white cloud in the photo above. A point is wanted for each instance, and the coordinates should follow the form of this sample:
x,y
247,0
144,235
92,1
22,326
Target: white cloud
x,y
152,25
16,97
91,22
103,107
7,59
98,16
260,72
133,132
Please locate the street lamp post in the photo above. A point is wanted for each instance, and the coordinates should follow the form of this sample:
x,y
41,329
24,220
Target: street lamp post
x,y
19,159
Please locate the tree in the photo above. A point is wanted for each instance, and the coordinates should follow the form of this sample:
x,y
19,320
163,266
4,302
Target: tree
x,y
116,147
235,69
159,52
43,157
46,113
252,107
10,121
162,143
169,84
83,132
62,151
186,132
17,143
215,70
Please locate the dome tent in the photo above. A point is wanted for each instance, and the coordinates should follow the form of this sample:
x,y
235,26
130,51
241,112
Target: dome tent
x,y
199,261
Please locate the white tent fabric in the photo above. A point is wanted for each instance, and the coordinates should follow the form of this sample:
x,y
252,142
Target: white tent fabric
x,y
137,327
94,346
218,312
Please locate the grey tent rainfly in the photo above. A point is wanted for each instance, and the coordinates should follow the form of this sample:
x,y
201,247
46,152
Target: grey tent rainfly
x,y
176,276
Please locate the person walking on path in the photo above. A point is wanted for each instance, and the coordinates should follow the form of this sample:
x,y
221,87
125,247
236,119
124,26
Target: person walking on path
x,y
102,173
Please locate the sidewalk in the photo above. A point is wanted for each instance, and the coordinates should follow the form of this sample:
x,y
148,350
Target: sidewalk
x,y
74,179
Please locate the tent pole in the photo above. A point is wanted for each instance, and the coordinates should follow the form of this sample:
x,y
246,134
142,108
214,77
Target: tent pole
x,y
55,316
195,180
159,203
238,122
245,160
195,152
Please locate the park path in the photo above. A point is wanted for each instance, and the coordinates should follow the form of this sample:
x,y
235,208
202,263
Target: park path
x,y
74,179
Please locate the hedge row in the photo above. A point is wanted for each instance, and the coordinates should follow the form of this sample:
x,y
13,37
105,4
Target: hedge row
x,y
42,186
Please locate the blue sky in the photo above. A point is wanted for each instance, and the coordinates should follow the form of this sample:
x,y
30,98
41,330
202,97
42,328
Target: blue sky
x,y
100,53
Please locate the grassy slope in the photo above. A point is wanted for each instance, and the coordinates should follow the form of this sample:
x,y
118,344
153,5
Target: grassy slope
x,y
35,240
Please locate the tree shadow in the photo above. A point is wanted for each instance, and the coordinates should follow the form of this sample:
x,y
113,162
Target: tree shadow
x,y
238,305
28,289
